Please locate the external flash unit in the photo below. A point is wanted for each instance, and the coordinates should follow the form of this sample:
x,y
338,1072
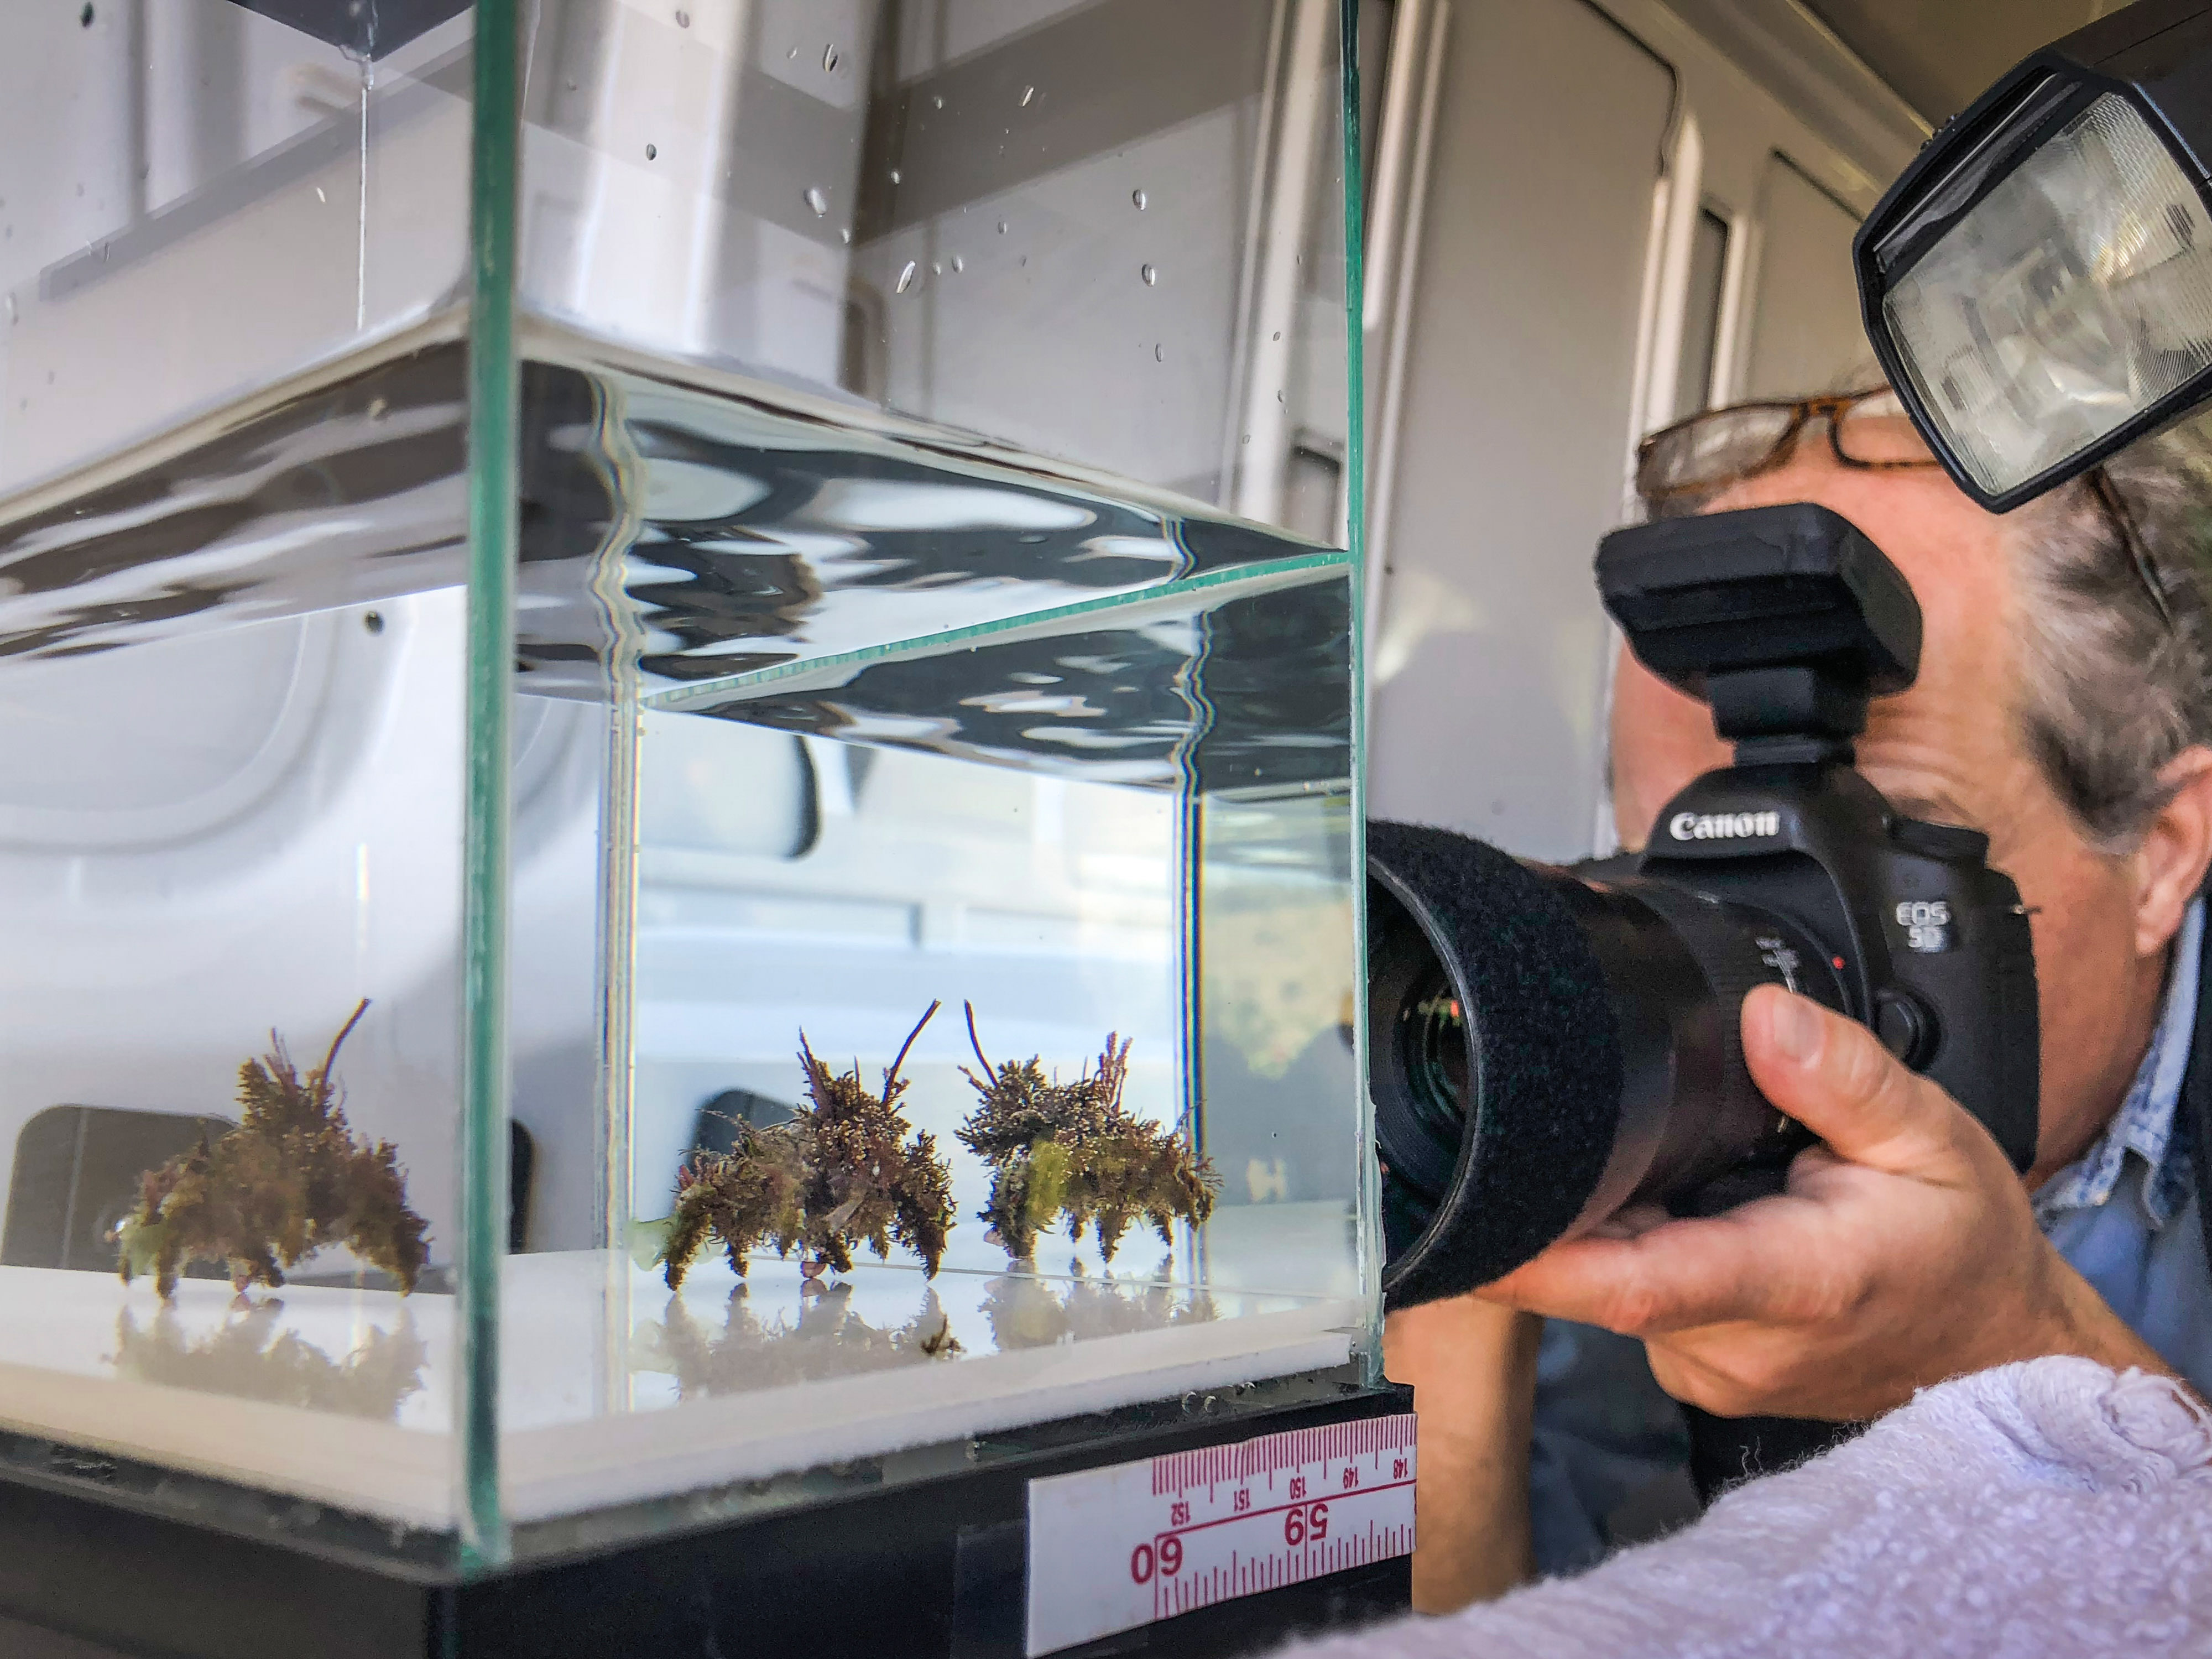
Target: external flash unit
x,y
2038,283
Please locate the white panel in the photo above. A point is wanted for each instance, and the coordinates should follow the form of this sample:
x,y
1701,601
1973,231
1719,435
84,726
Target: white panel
x,y
1490,660
1805,333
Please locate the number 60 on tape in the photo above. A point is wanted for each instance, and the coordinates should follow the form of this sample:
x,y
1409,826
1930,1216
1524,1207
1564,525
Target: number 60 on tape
x,y
1114,1548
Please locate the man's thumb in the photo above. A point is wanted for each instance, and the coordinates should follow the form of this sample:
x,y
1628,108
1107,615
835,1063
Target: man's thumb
x,y
1834,1077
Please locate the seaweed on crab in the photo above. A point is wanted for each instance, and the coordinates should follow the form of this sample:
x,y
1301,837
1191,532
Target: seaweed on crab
x,y
287,1180
1074,1152
847,1169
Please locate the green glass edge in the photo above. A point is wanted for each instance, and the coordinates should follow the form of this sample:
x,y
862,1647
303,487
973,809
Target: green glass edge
x,y
1355,314
1263,571
494,479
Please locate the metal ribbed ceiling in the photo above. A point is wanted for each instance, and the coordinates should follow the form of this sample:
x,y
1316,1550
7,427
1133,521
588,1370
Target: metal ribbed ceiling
x,y
1939,54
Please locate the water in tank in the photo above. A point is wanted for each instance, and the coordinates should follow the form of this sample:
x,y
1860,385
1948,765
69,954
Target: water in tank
x,y
891,979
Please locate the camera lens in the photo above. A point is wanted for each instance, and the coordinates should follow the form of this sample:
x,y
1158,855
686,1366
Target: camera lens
x,y
1545,1049
1436,1054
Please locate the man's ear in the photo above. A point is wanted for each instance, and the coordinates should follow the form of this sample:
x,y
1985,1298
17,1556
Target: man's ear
x,y
2176,850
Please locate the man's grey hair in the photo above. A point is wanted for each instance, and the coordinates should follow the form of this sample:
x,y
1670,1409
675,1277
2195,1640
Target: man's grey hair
x,y
2109,693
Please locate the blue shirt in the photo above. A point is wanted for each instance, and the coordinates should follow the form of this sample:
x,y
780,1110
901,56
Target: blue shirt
x,y
1611,1451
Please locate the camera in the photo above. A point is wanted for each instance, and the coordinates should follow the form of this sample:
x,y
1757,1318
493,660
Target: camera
x,y
1547,1046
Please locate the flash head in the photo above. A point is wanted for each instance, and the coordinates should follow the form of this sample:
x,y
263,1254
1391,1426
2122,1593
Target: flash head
x,y
1786,619
2038,283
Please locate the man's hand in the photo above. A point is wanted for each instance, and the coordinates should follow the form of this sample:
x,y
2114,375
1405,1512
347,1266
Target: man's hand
x,y
1904,1252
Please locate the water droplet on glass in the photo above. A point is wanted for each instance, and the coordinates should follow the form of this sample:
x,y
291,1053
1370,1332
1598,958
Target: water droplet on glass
x,y
894,175
1140,199
792,53
1026,259
682,20
937,267
906,277
959,264
1279,334
11,307
319,197
570,83
1028,92
1150,275
845,235
1247,437
817,200
1156,357
829,60
84,17
377,406
1002,227
652,152
937,100
1279,397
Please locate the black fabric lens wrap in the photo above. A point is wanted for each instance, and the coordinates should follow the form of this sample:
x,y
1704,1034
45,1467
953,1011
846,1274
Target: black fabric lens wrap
x,y
1546,1070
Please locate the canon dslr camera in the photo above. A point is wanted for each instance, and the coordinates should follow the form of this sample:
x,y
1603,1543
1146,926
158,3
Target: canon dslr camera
x,y
1548,1046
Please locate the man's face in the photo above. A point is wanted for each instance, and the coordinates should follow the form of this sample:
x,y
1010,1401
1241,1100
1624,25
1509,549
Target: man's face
x,y
1949,748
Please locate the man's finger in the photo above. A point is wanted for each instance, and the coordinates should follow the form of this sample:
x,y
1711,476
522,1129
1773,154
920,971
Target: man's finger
x,y
1834,1077
1672,1278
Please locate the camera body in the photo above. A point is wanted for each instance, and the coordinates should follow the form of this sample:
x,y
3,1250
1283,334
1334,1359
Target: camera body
x,y
1786,620
1931,944
1548,1046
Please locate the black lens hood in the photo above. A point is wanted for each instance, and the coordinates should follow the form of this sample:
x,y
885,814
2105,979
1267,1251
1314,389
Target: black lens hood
x,y
1545,1065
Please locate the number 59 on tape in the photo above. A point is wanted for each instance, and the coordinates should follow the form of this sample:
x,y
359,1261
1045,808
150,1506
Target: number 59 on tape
x,y
1114,1548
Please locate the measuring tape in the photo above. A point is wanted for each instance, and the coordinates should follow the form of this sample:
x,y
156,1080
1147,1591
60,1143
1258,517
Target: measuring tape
x,y
1114,1548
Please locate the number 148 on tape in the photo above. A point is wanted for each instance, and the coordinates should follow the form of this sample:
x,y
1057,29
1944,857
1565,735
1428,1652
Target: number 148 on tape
x,y
1114,1548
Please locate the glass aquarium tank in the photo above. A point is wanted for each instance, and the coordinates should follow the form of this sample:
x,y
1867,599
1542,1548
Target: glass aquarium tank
x,y
677,743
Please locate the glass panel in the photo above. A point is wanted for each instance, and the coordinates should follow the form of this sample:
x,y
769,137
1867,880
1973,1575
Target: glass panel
x,y
980,638
231,729
197,201
950,511
1109,233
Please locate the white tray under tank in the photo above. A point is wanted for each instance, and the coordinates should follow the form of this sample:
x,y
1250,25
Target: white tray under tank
x,y
345,1397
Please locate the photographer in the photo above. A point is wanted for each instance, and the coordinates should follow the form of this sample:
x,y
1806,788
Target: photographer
x,y
2063,706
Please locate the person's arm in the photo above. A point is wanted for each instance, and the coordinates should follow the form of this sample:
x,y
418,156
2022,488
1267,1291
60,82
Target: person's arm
x,y
1472,1366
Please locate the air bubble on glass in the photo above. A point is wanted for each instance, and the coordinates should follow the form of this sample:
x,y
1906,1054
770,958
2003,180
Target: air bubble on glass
x,y
829,60
1150,275
1141,200
817,200
906,277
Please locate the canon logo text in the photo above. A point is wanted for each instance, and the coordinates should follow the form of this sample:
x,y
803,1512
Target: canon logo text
x,y
1723,826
